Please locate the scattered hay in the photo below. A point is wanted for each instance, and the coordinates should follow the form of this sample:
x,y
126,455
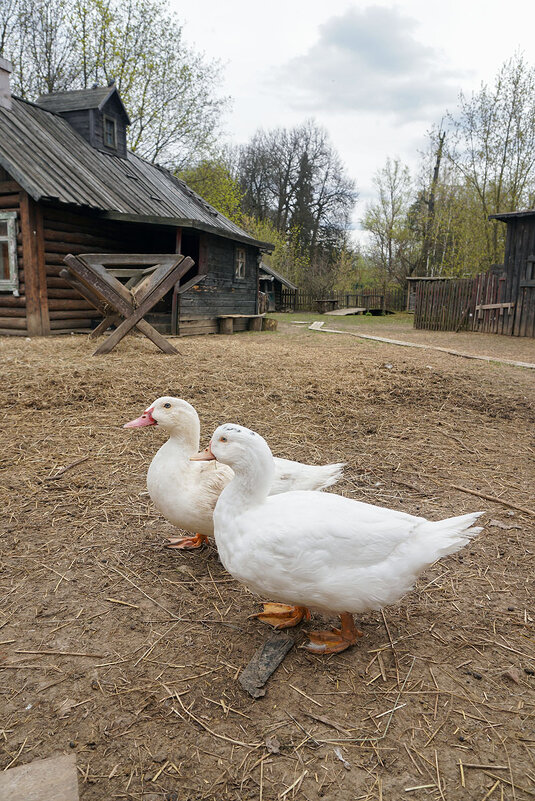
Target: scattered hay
x,y
128,654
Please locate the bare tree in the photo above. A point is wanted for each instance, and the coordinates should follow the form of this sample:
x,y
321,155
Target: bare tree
x,y
393,247
294,179
493,147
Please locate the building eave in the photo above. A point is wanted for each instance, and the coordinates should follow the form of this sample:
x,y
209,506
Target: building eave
x,y
180,222
512,215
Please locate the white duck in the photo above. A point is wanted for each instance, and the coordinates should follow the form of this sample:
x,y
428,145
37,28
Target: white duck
x,y
319,550
186,492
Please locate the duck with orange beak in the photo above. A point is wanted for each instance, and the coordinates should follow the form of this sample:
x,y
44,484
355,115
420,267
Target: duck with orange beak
x,y
319,550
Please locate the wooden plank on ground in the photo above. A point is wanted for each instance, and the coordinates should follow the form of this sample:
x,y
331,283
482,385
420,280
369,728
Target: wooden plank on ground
x,y
319,327
264,663
343,312
52,779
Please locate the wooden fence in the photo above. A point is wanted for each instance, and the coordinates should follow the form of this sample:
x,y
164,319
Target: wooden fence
x,y
491,314
470,304
301,300
444,305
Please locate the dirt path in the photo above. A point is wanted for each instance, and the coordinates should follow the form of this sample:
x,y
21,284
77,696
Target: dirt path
x,y
400,326
127,654
319,326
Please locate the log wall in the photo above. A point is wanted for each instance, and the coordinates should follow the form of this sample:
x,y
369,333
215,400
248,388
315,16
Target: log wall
x,y
13,309
49,305
221,292
70,232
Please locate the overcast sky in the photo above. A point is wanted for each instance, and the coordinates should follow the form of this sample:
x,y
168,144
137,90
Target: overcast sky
x,y
376,75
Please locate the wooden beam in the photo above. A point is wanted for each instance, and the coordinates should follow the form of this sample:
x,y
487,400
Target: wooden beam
x,y
161,281
41,267
93,280
495,306
31,225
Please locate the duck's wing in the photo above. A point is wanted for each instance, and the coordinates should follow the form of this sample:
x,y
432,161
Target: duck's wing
x,y
311,536
210,478
290,476
338,528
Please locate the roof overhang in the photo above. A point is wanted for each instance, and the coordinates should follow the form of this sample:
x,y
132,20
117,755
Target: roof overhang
x,y
273,275
179,222
512,215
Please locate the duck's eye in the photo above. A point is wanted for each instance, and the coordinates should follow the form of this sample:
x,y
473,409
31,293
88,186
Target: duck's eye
x,y
167,406
222,439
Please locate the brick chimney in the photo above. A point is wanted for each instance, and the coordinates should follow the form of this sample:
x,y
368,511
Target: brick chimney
x,y
6,69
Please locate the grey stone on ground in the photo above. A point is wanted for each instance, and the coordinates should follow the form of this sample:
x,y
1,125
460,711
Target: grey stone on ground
x,y
52,779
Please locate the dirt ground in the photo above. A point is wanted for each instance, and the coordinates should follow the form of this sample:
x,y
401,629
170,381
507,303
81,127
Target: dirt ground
x,y
127,654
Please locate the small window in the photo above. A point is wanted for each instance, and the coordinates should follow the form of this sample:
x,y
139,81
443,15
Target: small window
x,y
9,276
110,132
239,265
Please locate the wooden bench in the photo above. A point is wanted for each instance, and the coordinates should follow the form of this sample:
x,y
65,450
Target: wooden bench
x,y
326,305
225,322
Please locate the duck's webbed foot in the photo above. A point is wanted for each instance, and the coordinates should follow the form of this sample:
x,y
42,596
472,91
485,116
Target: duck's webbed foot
x,y
335,640
187,543
282,616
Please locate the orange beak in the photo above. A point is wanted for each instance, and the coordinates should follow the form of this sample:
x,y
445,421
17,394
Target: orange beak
x,y
203,456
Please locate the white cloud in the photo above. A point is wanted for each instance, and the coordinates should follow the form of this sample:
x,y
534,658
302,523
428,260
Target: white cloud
x,y
369,60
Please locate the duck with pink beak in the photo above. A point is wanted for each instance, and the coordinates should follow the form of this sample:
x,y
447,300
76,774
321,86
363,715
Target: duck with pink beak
x,y
185,492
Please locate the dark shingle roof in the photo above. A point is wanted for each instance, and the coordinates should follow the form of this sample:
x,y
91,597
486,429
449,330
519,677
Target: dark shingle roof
x,y
79,99
512,215
274,274
51,161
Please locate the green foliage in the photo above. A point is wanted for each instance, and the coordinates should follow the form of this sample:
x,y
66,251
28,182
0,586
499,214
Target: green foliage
x,y
488,169
286,257
480,164
294,180
213,181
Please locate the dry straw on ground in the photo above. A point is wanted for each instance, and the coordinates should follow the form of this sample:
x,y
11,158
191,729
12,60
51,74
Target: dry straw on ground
x,y
128,654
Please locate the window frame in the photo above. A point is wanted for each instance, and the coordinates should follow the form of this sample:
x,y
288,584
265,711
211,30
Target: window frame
x,y
240,264
106,119
10,284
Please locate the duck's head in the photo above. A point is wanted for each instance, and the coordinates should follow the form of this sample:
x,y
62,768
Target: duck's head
x,y
173,414
238,447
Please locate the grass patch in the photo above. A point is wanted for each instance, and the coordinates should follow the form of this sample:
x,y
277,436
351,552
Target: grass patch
x,y
402,320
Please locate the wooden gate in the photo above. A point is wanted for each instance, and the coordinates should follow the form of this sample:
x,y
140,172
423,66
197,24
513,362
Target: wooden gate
x,y
444,305
492,314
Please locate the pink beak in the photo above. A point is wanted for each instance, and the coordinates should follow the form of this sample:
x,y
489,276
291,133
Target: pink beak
x,y
146,419
203,456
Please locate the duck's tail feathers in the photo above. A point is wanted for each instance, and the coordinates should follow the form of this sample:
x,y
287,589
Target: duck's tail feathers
x,y
329,474
454,533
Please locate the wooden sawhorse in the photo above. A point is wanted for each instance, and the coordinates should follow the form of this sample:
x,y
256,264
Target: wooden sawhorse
x,y
151,275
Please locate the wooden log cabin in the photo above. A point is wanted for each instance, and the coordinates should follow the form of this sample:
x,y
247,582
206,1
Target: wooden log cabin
x,y
68,184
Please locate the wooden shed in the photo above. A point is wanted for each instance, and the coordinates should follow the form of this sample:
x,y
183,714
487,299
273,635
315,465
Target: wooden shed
x,y
272,284
517,290
68,184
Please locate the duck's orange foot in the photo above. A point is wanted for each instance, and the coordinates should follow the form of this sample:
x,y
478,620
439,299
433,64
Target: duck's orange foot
x,y
187,543
282,616
336,640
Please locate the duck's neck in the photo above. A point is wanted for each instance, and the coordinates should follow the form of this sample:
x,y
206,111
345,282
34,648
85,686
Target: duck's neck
x,y
185,439
251,484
